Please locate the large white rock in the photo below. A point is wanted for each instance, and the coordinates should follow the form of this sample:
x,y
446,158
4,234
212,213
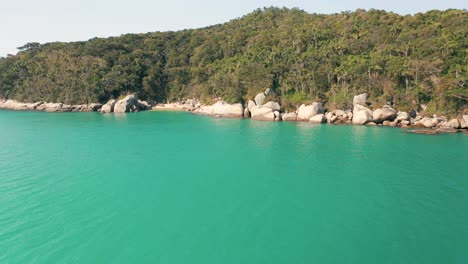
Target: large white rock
x,y
426,122
402,116
361,115
360,99
130,104
222,109
454,123
262,113
259,98
273,105
464,121
318,119
305,112
385,113
289,116
250,105
108,107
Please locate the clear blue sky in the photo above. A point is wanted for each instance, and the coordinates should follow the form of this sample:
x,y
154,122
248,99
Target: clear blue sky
x,y
43,21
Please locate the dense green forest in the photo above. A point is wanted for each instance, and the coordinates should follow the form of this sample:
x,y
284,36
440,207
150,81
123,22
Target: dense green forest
x,y
404,60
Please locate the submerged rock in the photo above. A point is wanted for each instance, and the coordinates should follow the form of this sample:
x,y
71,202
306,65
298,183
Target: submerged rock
x,y
423,131
447,130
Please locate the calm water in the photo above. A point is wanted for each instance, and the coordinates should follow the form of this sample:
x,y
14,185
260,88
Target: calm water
x,y
159,187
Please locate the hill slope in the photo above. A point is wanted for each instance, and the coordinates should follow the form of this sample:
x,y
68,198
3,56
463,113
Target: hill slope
x,y
404,60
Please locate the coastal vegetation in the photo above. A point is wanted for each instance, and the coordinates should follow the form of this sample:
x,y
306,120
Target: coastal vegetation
x,y
403,61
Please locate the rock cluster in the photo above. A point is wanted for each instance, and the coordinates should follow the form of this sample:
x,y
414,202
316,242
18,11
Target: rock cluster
x,y
361,114
108,107
306,112
257,109
221,109
128,104
186,105
48,107
339,116
269,111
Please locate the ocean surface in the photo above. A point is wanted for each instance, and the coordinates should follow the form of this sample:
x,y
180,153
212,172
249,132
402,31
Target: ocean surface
x,y
161,187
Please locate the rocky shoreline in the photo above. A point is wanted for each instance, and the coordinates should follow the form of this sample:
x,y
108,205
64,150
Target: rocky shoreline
x,y
127,104
257,109
48,107
315,113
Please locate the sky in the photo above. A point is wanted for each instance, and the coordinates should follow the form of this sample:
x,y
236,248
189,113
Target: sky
x,y
23,21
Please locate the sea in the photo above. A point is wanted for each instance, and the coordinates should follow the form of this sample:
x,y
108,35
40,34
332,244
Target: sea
x,y
168,187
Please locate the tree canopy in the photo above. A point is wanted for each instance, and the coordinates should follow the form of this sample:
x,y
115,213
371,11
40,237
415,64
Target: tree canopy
x,y
404,60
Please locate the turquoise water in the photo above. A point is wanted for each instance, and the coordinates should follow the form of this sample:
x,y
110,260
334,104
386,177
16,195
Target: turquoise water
x,y
159,187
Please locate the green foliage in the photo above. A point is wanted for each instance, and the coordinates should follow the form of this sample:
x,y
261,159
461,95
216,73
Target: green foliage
x,y
338,99
292,99
404,60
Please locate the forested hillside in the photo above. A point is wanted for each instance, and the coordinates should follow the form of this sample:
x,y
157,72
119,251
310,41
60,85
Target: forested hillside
x,y
403,60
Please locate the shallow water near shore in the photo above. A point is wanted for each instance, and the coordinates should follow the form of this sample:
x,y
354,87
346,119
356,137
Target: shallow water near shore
x,y
163,187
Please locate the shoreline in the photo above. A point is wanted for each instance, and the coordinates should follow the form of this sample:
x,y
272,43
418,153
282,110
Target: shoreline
x,y
171,107
270,111
48,107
